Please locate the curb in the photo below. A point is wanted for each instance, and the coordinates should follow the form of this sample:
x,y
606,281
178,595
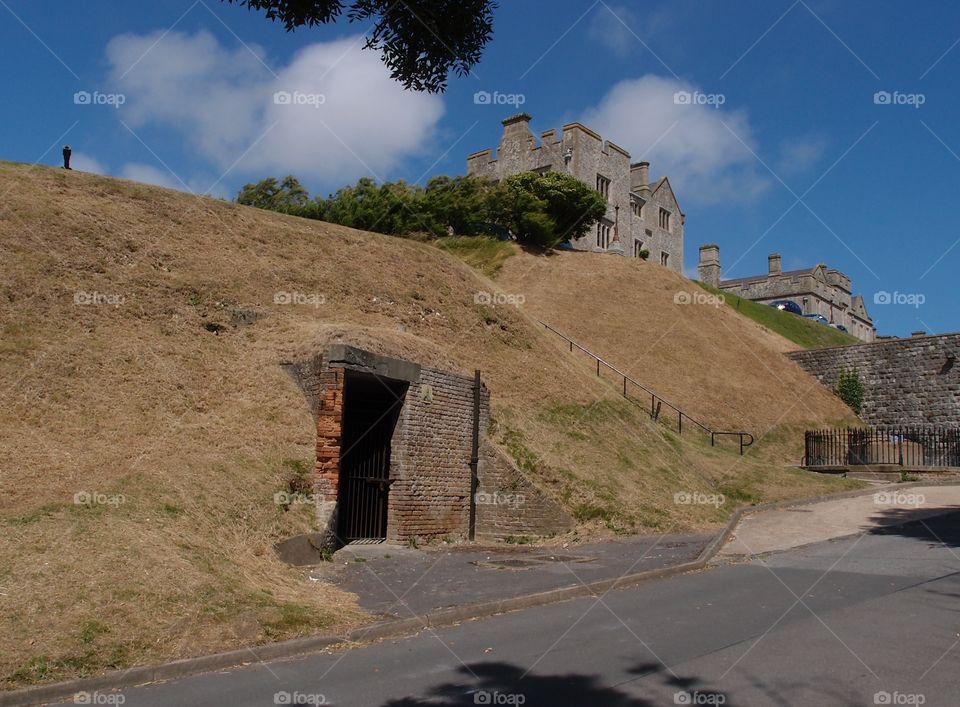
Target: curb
x,y
399,628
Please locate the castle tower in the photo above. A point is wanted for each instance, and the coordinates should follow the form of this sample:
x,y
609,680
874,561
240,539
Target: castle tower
x,y
709,268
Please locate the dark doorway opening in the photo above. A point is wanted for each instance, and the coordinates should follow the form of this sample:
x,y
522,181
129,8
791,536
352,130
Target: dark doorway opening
x,y
371,407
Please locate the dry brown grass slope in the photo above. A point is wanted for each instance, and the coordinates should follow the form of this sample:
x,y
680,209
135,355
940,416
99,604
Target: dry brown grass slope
x,y
719,366
189,433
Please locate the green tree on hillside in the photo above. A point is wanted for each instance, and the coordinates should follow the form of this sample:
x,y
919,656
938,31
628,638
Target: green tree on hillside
x,y
287,196
420,41
545,210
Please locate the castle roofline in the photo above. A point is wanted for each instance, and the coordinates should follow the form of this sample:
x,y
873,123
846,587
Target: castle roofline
x,y
584,128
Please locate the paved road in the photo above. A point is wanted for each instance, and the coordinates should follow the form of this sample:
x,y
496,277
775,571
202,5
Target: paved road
x,y
400,582
863,620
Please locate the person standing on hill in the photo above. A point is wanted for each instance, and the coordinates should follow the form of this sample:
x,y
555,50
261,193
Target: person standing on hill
x,y
66,156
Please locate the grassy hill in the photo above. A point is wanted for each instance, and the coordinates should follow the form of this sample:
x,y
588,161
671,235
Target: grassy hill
x,y
135,383
806,334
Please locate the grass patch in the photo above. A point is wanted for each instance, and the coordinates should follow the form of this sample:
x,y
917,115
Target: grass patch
x,y
805,333
479,252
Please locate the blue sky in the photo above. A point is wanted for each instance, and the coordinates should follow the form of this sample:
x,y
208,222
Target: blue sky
x,y
798,157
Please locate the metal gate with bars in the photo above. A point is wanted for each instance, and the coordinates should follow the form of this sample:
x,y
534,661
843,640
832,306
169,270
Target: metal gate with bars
x,y
371,408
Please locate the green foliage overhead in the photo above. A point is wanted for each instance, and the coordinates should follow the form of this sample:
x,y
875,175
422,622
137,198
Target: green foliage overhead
x,y
850,389
420,41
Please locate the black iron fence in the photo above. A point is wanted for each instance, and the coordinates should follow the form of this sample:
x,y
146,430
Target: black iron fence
x,y
901,446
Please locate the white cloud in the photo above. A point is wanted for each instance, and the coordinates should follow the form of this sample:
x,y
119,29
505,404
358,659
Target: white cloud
x,y
611,26
801,154
85,163
346,118
148,174
706,151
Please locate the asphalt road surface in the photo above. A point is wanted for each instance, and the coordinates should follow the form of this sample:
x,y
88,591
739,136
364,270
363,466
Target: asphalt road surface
x,y
865,620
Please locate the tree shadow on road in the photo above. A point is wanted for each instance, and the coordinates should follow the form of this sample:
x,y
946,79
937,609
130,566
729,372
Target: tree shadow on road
x,y
937,531
498,683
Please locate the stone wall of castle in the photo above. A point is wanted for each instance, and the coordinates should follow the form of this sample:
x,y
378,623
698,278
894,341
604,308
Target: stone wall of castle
x,y
908,381
584,154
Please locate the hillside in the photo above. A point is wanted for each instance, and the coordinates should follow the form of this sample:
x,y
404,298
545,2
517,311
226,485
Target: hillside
x,y
141,347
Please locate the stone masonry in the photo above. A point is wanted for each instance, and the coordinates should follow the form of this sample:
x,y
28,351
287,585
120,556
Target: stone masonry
x,y
912,381
641,216
430,454
817,290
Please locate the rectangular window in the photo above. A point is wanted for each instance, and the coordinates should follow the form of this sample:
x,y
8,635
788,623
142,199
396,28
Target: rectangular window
x,y
603,186
664,259
637,209
603,235
664,219
637,247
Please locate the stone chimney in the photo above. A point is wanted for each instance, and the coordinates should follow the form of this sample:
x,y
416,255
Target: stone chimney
x,y
773,262
709,268
640,177
519,123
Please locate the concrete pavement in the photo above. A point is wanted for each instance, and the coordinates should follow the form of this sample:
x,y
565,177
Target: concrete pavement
x,y
869,619
784,528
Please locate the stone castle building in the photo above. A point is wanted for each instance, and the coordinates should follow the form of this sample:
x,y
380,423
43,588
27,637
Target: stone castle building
x,y
642,217
817,290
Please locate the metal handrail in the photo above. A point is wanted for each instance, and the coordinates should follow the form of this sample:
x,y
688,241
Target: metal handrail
x,y
656,401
